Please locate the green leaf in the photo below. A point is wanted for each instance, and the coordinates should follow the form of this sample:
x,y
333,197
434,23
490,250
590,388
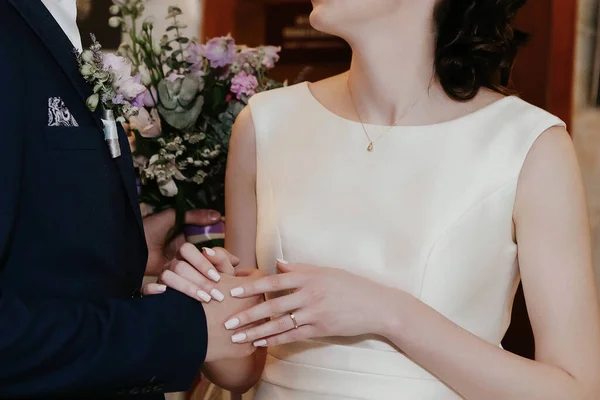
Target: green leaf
x,y
182,40
172,63
176,53
170,28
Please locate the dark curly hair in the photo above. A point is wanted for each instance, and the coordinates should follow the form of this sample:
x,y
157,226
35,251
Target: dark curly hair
x,y
476,45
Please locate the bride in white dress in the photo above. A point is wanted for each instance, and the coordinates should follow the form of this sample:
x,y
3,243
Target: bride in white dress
x,y
404,201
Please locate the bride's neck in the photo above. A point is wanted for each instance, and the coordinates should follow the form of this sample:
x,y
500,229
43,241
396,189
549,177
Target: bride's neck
x,y
393,68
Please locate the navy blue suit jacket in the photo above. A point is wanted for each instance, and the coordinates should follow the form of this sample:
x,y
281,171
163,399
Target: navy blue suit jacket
x,y
72,247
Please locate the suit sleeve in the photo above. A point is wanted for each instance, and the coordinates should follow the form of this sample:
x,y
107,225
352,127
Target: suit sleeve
x,y
118,347
154,344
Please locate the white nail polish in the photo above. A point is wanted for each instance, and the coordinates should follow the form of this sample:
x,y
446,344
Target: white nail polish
x,y
210,252
217,295
214,275
260,343
204,296
282,261
238,291
161,288
238,337
232,323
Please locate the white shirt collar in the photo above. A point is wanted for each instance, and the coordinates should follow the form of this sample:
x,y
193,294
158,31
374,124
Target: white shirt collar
x,y
65,14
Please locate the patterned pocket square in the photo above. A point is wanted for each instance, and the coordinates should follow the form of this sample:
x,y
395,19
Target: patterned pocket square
x,y
59,114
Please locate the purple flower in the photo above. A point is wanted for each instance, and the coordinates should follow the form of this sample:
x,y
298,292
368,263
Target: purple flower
x,y
122,81
220,51
243,84
195,56
271,56
137,101
145,99
118,99
246,55
174,76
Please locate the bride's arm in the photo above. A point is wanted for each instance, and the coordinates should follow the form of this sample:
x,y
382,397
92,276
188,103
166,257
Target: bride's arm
x,y
240,239
558,280
556,267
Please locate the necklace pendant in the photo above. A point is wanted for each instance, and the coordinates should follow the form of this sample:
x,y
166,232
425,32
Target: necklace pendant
x,y
370,148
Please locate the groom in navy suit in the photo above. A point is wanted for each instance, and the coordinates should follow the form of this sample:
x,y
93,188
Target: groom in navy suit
x,y
72,247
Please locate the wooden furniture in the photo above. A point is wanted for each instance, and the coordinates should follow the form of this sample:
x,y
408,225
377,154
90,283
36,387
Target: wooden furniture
x,y
544,71
544,76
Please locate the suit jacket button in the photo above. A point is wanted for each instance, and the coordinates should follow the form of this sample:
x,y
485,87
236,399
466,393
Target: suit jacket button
x,y
136,294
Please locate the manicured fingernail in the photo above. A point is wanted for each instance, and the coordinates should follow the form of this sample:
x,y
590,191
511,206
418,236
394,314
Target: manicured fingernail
x,y
238,291
214,275
238,337
282,261
260,343
161,288
232,323
210,252
204,296
217,295
214,215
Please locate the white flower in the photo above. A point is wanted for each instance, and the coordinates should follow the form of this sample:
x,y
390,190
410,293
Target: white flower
x,y
140,162
87,56
114,22
92,101
168,188
145,75
165,174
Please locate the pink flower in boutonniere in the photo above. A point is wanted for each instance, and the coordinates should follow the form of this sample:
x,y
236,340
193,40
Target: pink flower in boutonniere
x,y
122,81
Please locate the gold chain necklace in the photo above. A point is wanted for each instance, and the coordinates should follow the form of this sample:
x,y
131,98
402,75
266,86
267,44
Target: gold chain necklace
x,y
371,146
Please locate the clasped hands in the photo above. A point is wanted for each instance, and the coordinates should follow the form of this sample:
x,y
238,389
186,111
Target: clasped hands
x,y
317,301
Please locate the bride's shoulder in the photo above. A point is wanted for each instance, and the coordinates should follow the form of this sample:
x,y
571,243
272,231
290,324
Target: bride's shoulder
x,y
274,97
294,95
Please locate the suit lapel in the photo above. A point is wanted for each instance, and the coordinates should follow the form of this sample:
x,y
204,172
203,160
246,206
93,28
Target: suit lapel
x,y
56,41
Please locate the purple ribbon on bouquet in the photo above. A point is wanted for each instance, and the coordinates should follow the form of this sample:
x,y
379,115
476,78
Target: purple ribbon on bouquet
x,y
195,233
199,234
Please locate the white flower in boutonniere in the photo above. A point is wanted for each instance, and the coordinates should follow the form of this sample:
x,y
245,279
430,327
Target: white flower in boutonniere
x,y
110,76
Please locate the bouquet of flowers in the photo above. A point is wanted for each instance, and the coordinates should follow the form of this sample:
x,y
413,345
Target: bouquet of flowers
x,y
178,99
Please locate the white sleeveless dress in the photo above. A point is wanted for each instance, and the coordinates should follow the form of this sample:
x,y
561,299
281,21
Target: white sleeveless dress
x,y
428,212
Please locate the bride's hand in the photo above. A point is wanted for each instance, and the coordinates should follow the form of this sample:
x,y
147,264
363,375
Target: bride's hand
x,y
323,301
195,273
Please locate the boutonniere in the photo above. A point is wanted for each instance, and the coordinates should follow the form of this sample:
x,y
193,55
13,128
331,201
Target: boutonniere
x,y
114,90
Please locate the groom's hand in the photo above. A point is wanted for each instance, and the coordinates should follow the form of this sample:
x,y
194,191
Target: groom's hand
x,y
157,226
220,345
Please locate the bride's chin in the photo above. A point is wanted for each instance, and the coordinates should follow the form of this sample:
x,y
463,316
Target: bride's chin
x,y
320,21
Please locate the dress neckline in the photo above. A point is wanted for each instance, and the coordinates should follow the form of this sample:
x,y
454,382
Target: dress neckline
x,y
462,118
